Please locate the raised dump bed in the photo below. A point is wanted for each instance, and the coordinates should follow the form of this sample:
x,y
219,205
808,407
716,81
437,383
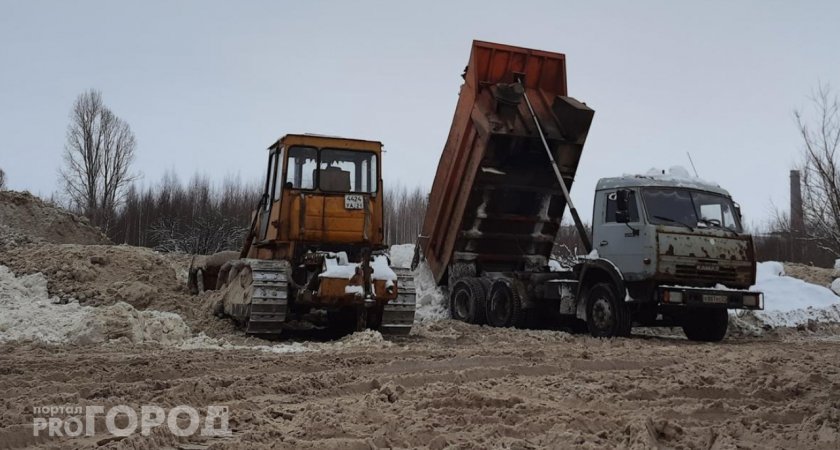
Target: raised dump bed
x,y
496,204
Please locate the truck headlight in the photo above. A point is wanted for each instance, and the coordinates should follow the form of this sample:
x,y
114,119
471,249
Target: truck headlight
x,y
673,297
751,300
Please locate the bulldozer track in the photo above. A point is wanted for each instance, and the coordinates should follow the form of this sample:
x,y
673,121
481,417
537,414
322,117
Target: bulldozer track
x,y
398,314
269,297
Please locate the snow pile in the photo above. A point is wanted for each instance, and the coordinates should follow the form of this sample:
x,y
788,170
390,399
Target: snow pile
x,y
432,301
30,314
401,255
789,302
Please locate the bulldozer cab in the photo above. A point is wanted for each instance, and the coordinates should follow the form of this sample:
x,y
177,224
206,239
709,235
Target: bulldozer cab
x,y
321,193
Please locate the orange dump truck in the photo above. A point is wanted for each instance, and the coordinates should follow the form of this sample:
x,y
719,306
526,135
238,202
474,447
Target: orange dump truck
x,y
496,205
502,186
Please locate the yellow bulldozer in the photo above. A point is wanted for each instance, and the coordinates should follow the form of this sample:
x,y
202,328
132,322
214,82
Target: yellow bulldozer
x,y
315,245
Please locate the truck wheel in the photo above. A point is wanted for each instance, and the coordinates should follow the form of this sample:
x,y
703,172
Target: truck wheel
x,y
706,325
466,301
606,315
504,306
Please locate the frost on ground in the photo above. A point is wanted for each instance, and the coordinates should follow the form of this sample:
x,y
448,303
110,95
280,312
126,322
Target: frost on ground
x,y
30,314
788,301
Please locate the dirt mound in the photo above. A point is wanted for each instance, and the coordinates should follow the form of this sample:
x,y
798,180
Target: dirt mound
x,y
104,275
26,218
810,274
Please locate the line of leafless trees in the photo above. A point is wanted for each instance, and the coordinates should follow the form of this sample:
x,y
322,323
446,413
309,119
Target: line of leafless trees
x,y
200,216
197,216
2,180
405,209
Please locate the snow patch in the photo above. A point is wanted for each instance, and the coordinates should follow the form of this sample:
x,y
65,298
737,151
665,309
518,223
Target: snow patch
x,y
31,315
357,340
556,266
789,301
676,174
337,266
401,255
354,289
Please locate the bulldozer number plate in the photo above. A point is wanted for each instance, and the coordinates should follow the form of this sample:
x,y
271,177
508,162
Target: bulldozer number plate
x,y
353,201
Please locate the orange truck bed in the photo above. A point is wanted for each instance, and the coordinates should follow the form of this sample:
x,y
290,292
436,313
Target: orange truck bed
x,y
495,202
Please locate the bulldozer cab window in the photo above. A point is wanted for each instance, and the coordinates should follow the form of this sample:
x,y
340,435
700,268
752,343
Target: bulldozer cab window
x,y
301,166
278,176
347,171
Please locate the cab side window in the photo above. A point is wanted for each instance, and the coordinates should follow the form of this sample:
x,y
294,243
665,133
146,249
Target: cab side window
x,y
611,206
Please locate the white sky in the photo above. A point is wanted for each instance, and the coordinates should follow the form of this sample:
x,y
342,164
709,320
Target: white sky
x,y
207,86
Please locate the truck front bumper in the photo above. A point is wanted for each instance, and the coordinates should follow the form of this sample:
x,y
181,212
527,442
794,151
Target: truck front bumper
x,y
682,296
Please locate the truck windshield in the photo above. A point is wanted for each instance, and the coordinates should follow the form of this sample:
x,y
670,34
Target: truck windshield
x,y
671,206
347,171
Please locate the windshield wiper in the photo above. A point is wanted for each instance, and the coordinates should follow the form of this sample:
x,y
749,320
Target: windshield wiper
x,y
668,219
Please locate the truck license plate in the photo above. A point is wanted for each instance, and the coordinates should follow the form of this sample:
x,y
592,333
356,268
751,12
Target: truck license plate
x,y
715,299
352,201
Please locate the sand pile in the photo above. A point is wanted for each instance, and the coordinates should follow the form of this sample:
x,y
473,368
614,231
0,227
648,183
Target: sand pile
x,y
26,218
102,274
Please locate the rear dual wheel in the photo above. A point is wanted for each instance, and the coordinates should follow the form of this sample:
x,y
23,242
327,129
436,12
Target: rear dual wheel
x,y
467,300
504,305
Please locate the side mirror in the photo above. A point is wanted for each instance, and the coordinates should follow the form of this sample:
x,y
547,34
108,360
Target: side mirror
x,y
622,206
738,211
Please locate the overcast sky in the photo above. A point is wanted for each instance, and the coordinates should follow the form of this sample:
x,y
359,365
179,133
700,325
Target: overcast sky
x,y
207,86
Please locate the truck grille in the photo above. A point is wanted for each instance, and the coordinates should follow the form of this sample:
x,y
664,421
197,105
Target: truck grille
x,y
721,275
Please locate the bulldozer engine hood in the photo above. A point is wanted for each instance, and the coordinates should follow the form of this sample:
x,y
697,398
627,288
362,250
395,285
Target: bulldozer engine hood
x,y
705,258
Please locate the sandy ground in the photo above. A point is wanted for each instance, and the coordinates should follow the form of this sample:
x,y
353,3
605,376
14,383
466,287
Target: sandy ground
x,y
448,385
453,385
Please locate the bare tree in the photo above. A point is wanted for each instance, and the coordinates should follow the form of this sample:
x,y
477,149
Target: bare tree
x,y
2,180
820,133
97,158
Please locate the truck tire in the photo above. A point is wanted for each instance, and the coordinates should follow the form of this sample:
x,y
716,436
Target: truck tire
x,y
706,325
606,314
504,306
466,301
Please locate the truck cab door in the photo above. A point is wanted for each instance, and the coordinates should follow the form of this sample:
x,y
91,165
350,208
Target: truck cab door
x,y
618,233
